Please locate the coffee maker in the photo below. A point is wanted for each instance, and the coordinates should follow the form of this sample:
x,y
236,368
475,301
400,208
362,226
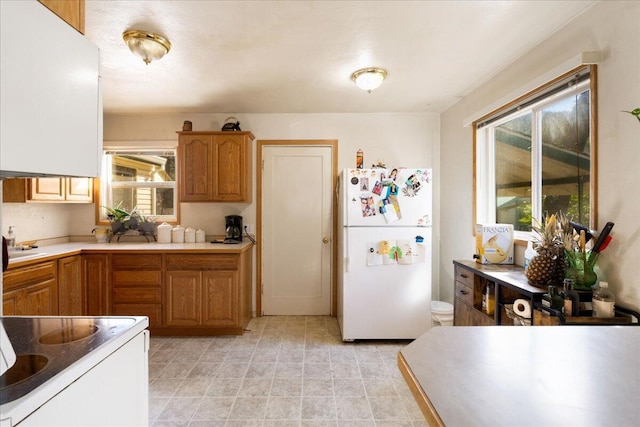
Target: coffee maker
x,y
233,227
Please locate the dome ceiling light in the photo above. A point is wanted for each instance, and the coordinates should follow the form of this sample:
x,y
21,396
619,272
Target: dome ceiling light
x,y
146,45
369,78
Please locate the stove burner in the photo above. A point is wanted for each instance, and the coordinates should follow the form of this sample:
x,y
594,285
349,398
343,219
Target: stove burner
x,y
25,367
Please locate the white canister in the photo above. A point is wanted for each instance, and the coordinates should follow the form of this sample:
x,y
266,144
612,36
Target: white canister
x,y
164,233
200,236
177,234
189,235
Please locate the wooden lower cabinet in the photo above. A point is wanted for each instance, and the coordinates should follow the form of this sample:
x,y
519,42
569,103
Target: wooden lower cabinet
x,y
202,298
94,271
181,293
31,290
208,293
136,286
183,302
72,298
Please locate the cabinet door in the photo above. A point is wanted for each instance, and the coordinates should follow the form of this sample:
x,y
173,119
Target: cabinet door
x,y
220,298
14,190
71,290
47,189
10,303
183,298
40,299
94,270
195,159
461,314
231,168
79,190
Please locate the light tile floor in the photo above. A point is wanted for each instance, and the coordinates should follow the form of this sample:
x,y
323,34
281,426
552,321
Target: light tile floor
x,y
284,371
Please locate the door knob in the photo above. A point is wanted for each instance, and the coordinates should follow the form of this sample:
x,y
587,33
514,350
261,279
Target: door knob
x,y
325,240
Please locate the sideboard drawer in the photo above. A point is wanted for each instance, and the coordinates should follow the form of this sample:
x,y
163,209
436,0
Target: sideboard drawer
x,y
464,293
464,276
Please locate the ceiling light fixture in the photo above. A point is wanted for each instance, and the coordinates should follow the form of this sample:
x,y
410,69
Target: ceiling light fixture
x,y
146,45
369,78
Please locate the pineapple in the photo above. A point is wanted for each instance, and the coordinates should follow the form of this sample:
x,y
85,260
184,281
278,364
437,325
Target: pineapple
x,y
548,266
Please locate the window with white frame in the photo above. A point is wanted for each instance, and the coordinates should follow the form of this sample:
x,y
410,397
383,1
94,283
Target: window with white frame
x,y
535,157
141,180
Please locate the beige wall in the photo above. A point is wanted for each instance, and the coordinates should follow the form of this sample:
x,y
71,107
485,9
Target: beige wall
x,y
409,140
611,28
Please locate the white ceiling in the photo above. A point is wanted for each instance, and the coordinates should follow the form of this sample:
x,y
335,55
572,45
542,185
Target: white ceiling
x,y
298,56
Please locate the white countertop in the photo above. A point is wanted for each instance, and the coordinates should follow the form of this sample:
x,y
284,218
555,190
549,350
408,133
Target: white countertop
x,y
530,376
73,248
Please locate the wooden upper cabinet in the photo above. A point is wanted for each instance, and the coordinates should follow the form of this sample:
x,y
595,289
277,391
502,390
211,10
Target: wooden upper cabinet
x,y
47,189
71,11
215,166
195,173
74,190
79,190
232,168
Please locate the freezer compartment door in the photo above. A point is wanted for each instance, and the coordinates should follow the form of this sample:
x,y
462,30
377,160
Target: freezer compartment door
x,y
384,299
386,197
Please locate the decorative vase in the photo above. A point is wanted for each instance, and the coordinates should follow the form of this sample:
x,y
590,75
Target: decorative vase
x,y
580,269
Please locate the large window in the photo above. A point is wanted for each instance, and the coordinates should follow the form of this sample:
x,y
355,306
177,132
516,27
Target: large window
x,y
141,180
535,156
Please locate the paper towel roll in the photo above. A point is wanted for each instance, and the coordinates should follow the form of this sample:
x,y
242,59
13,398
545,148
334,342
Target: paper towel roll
x,y
522,308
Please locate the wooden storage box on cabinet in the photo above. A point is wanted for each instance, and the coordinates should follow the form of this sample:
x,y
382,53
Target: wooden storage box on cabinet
x,y
136,286
215,166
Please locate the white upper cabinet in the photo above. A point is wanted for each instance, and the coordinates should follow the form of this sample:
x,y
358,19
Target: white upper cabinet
x,y
51,110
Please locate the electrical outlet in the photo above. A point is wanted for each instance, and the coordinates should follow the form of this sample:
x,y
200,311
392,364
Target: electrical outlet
x,y
250,229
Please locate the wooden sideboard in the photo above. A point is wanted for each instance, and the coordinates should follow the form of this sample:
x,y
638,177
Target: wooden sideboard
x,y
510,283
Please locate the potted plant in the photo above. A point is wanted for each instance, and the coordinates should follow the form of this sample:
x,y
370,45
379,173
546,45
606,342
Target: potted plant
x,y
147,224
117,216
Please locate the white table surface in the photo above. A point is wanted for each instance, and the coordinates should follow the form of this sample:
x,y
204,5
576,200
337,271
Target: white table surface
x,y
530,376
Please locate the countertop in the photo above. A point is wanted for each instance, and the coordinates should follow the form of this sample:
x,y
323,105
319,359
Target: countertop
x,y
526,376
75,248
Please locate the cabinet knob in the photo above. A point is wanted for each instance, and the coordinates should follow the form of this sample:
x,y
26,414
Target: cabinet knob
x,y
325,240
463,292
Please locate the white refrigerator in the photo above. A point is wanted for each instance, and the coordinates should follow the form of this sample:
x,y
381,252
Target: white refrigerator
x,y
384,253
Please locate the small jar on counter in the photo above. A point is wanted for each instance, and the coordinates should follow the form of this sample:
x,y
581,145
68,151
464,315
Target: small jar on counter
x,y
200,236
189,235
164,233
177,234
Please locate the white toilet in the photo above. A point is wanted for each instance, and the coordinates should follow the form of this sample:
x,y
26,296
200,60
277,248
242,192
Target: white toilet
x,y
441,313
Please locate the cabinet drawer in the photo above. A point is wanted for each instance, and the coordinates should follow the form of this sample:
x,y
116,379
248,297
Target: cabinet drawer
x,y
202,262
136,262
135,295
464,276
464,293
137,278
29,275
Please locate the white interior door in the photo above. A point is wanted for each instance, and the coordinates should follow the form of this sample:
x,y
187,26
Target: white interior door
x,y
296,230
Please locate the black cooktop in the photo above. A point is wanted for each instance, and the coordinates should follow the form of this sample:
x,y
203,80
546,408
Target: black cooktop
x,y
46,346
